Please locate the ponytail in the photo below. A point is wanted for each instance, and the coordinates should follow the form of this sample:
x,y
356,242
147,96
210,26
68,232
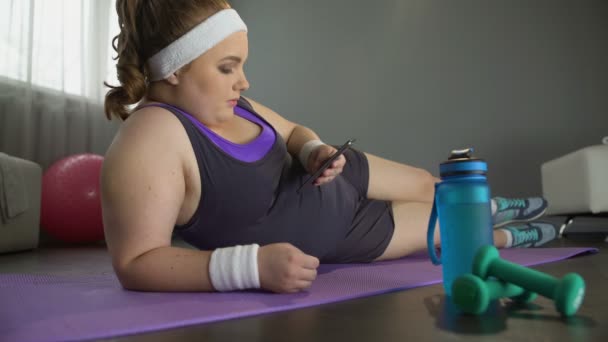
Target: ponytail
x,y
146,27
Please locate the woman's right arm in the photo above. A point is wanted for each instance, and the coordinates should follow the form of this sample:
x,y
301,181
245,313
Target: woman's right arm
x,y
142,190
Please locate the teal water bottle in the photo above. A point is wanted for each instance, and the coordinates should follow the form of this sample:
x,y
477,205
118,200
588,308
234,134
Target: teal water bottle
x,y
462,207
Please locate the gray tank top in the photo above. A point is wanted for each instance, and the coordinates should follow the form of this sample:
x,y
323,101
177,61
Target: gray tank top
x,y
257,202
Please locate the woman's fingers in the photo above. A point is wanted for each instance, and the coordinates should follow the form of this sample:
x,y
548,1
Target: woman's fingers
x,y
308,274
304,280
303,285
335,169
310,262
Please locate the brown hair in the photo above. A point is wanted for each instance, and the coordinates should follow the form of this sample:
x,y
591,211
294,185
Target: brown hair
x,y
147,26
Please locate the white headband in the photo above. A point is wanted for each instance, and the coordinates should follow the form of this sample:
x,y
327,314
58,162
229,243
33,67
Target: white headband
x,y
194,43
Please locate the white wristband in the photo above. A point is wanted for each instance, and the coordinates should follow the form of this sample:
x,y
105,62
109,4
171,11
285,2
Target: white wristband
x,y
307,149
235,268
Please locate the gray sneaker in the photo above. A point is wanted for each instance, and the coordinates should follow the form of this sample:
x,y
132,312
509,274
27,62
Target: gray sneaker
x,y
510,210
532,234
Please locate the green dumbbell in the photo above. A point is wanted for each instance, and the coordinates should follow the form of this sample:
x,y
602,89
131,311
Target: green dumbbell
x,y
567,292
473,294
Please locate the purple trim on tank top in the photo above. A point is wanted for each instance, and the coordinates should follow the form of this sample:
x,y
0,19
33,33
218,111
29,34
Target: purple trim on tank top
x,y
249,152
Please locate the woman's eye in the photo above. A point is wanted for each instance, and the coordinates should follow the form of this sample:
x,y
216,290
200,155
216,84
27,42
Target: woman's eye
x,y
225,70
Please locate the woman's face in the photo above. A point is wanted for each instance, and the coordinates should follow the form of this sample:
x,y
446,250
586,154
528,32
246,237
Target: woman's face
x,y
213,82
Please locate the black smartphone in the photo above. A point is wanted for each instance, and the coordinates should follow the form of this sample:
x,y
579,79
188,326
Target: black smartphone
x,y
328,162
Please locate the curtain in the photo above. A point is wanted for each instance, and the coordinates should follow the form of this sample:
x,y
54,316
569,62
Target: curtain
x,y
54,57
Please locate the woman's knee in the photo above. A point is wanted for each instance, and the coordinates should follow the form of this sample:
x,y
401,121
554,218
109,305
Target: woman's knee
x,y
392,181
427,185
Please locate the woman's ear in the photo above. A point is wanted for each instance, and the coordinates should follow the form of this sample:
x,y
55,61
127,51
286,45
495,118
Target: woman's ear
x,y
172,79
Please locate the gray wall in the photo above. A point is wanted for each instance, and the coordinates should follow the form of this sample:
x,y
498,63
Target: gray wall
x,y
522,81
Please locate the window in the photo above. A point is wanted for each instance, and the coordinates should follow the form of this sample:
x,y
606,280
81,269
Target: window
x,y
64,45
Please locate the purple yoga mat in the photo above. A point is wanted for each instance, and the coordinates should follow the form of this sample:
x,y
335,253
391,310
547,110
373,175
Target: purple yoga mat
x,y
62,308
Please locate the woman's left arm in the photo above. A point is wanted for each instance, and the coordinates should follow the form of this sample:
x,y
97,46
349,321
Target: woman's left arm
x,y
296,136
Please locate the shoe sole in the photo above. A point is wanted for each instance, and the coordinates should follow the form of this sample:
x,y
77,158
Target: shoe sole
x,y
539,215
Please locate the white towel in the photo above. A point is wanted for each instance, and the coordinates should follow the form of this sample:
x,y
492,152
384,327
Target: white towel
x,y
13,191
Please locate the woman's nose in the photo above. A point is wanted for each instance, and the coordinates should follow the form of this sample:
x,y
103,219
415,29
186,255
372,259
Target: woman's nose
x,y
242,84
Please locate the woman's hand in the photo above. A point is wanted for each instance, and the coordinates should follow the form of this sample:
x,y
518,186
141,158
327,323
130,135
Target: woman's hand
x,y
283,268
318,156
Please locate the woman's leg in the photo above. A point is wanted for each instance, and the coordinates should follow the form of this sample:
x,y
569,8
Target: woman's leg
x,y
410,191
411,223
392,181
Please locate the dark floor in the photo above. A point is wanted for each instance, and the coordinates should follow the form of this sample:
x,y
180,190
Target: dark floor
x,y
419,314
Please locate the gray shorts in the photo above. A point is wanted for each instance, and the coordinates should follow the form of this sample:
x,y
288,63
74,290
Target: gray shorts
x,y
373,225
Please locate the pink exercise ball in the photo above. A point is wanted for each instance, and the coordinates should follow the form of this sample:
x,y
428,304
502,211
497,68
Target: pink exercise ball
x,y
71,205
